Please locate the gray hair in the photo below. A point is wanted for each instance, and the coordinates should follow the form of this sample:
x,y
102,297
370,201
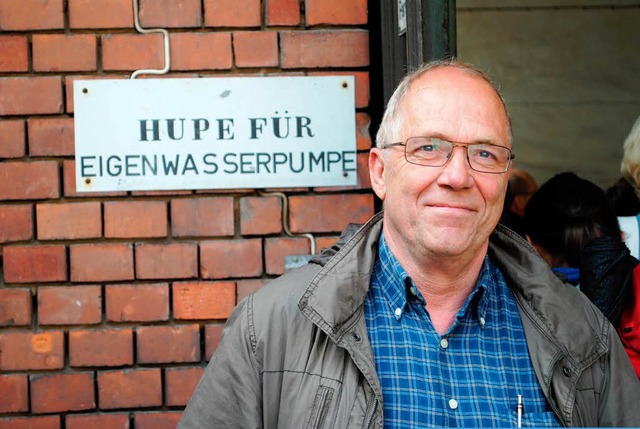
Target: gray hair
x,y
630,166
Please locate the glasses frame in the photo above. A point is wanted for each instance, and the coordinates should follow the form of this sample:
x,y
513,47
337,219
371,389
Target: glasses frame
x,y
454,144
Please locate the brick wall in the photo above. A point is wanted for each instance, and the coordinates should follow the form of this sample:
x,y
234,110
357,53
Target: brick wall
x,y
113,303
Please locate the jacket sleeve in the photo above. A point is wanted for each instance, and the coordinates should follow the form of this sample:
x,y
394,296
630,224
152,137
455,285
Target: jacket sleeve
x,y
229,394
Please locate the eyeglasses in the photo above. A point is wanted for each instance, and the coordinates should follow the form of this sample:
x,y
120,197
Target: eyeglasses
x,y
436,152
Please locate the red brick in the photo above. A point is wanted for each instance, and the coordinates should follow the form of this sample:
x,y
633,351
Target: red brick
x,y
69,221
168,344
170,13
12,138
325,242
69,80
14,54
100,14
155,420
222,259
51,136
260,215
201,51
202,217
180,384
62,392
35,263
30,351
255,48
69,305
283,12
16,222
363,137
69,183
126,219
324,48
137,303
166,261
354,208
129,389
15,393
29,180
15,307
31,14
132,51
200,300
212,335
277,248
63,52
30,95
336,12
101,262
97,421
232,13
107,347
45,422
245,288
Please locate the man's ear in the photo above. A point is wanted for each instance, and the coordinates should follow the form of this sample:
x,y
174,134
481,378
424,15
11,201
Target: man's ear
x,y
376,172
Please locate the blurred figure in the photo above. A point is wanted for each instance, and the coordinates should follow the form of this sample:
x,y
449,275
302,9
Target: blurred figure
x,y
520,188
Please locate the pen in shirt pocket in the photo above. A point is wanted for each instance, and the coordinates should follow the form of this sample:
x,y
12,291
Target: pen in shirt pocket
x,y
520,410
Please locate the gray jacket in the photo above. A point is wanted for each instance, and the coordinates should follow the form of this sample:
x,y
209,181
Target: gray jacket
x,y
296,353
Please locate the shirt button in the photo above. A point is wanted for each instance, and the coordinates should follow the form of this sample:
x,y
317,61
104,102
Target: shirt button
x,y
453,404
413,291
444,343
481,320
398,312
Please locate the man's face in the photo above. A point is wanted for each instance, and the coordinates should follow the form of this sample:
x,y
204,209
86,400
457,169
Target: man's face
x,y
451,210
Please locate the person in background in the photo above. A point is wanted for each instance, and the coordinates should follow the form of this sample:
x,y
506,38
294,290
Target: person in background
x,y
429,314
520,188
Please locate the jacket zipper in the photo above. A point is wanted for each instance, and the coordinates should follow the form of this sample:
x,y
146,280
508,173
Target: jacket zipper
x,y
371,412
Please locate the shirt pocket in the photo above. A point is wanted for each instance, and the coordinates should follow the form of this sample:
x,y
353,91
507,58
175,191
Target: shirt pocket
x,y
533,419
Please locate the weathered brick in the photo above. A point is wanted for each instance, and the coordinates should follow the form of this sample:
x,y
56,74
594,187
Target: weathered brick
x,y
132,51
166,261
275,250
245,288
12,138
127,219
168,344
14,53
100,14
232,13
30,351
129,388
137,302
69,305
15,307
105,347
203,300
35,263
69,183
97,421
69,220
16,222
51,136
44,422
64,52
101,262
255,48
212,335
202,217
324,48
30,95
354,208
53,393
170,13
201,51
220,259
283,12
336,12
325,242
260,215
363,137
157,420
15,396
31,15
180,384
29,180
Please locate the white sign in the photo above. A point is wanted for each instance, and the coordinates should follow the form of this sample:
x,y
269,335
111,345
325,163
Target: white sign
x,y
215,133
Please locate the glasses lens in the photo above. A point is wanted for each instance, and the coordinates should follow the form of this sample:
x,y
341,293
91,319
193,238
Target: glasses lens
x,y
488,158
427,151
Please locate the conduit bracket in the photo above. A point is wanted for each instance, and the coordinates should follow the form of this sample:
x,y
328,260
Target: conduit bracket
x,y
165,33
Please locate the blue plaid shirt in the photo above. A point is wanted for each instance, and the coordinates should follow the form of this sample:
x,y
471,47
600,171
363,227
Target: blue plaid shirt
x,y
468,377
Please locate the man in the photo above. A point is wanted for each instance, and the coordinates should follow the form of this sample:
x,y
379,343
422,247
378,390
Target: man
x,y
421,319
523,186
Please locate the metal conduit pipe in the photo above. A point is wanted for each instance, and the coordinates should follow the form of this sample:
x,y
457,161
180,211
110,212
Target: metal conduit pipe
x,y
167,53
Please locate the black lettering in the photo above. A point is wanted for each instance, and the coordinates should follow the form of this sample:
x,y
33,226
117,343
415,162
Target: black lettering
x,y
276,125
130,164
332,158
303,122
210,160
189,165
171,129
348,157
317,161
114,169
256,127
230,162
279,158
155,128
262,159
246,166
225,129
199,126
170,166
146,163
84,166
292,167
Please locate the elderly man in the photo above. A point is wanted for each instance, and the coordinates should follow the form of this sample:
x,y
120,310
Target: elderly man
x,y
427,315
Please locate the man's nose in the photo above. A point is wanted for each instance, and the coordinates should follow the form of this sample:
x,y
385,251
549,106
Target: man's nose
x,y
456,172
